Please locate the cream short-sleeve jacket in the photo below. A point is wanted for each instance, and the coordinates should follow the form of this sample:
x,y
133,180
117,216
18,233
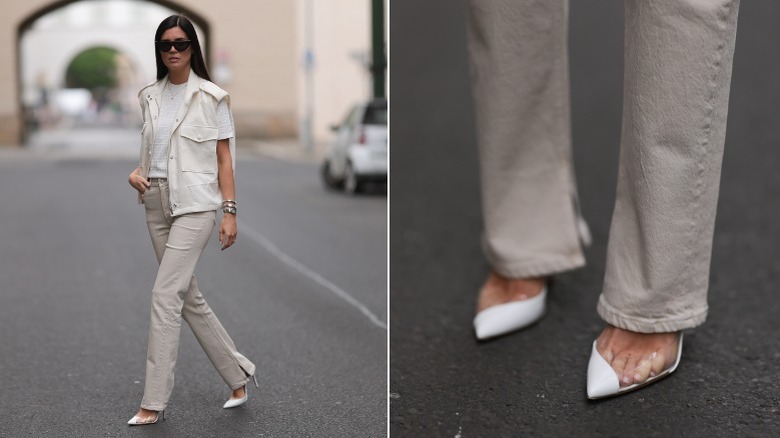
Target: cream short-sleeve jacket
x,y
192,165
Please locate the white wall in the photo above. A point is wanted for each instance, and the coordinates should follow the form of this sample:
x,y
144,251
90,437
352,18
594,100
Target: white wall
x,y
342,46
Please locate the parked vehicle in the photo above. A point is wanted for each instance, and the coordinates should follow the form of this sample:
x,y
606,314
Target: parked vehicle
x,y
359,152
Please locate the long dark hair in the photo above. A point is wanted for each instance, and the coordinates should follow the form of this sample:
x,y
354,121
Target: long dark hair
x,y
196,60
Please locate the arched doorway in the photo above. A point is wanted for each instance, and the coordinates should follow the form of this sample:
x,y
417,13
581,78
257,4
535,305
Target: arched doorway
x,y
50,39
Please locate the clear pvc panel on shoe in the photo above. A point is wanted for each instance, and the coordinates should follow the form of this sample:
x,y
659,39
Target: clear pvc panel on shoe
x,y
632,369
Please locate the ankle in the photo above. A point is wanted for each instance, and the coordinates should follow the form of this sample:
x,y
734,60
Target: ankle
x,y
239,393
142,412
611,331
498,289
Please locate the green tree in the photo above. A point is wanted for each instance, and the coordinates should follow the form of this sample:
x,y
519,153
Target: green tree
x,y
93,69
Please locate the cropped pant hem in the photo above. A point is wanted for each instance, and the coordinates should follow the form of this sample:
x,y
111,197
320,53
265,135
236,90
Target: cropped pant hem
x,y
540,268
649,325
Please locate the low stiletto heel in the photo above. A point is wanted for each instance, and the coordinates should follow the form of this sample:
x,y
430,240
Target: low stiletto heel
x,y
255,379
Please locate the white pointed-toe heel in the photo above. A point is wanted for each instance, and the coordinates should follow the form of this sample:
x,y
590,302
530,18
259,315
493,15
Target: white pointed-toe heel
x,y
505,318
603,381
135,421
234,402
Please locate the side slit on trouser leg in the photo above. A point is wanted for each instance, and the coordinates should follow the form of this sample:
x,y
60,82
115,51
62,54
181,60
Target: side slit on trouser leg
x,y
178,243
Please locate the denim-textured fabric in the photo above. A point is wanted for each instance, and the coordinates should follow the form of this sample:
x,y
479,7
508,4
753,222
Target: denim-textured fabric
x,y
520,85
678,57
178,242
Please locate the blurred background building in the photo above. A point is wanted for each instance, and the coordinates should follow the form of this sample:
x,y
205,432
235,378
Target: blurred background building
x,y
291,66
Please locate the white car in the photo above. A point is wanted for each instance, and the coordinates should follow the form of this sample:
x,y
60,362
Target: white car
x,y
359,152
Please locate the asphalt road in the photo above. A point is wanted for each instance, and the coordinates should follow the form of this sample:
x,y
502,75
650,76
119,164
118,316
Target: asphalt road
x,y
297,293
445,384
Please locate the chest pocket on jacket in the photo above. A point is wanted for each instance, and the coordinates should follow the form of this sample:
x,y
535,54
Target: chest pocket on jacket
x,y
198,152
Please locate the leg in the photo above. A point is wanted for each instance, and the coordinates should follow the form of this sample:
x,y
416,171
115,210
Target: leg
x,y
678,72
187,237
158,221
519,72
231,365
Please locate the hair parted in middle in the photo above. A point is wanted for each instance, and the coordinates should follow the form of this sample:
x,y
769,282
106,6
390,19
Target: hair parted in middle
x,y
197,62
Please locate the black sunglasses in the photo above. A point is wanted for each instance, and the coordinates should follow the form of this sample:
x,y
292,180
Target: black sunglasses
x,y
165,46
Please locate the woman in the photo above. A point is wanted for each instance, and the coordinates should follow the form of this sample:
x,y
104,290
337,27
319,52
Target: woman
x,y
185,175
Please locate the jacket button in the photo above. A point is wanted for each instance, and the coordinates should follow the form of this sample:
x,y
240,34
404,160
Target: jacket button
x,y
171,157
155,117
198,137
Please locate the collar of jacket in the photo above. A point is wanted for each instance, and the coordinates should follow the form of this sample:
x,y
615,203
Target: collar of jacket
x,y
153,93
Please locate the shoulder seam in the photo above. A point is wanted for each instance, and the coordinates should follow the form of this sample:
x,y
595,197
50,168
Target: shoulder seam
x,y
213,89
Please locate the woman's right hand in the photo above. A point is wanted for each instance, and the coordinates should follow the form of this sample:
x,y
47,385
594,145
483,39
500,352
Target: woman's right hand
x,y
137,181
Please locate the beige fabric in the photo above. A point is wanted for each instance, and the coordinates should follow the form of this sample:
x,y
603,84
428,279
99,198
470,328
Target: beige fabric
x,y
178,243
678,73
678,56
520,85
192,154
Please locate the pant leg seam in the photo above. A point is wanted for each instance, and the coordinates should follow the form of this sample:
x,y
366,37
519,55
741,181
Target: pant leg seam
x,y
706,129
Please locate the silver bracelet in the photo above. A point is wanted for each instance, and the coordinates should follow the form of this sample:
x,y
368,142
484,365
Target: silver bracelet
x,y
230,209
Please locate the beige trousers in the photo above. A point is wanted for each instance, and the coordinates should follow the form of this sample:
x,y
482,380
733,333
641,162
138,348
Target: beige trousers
x,y
678,56
178,243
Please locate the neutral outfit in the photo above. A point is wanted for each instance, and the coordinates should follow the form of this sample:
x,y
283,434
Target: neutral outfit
x,y
678,57
179,236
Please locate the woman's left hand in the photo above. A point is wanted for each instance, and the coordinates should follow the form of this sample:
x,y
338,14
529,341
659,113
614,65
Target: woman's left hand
x,y
228,230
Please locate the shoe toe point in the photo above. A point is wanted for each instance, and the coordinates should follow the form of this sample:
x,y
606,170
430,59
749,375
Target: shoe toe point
x,y
483,328
600,389
602,379
232,403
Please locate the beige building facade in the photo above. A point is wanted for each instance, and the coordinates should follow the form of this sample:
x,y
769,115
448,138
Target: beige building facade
x,y
256,51
340,43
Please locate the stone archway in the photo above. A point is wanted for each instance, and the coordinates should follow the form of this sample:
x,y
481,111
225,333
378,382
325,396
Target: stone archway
x,y
254,49
56,60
